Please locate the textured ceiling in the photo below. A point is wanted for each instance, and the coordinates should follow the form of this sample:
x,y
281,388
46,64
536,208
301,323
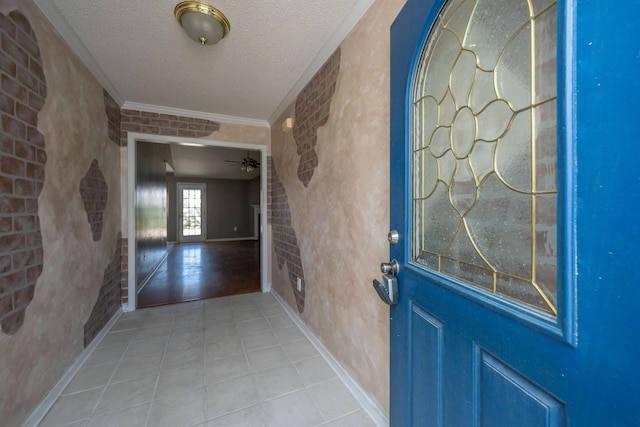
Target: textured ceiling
x,y
141,54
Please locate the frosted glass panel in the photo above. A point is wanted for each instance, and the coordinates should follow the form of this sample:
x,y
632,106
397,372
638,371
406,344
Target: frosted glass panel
x,y
485,162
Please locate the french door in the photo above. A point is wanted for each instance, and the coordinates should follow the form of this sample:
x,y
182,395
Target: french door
x,y
191,212
515,185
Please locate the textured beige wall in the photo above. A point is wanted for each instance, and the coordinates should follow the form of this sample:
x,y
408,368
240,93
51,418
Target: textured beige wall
x,y
246,134
74,124
341,220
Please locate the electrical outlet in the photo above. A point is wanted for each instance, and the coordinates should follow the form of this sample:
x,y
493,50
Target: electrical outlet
x,y
299,284
235,228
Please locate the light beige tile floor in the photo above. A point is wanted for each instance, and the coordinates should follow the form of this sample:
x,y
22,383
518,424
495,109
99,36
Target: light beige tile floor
x,y
232,361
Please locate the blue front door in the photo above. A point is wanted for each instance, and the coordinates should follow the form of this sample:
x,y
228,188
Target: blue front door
x,y
520,310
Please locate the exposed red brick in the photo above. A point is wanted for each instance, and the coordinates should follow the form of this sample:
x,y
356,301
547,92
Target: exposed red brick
x,y
6,224
311,112
285,243
25,151
109,297
20,56
11,205
36,69
10,282
23,90
24,223
150,129
26,114
34,137
11,323
7,105
7,26
114,117
33,273
5,265
94,193
131,127
6,302
23,296
12,166
6,184
25,188
13,127
21,22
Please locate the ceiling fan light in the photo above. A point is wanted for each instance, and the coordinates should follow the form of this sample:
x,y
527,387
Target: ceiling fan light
x,y
202,22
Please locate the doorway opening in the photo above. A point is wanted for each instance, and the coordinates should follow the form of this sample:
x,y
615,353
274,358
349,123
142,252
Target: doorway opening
x,y
196,201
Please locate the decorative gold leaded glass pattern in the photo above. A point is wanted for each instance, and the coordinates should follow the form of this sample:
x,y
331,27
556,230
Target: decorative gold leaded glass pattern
x,y
484,151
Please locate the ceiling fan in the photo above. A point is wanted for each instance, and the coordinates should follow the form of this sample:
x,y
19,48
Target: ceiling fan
x,y
247,164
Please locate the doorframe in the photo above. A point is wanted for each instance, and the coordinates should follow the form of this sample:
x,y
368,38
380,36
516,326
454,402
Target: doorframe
x,y
132,140
203,212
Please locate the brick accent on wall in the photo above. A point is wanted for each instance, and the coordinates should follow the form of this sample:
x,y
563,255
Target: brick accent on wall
x,y
108,300
94,192
112,109
164,124
285,243
311,112
22,160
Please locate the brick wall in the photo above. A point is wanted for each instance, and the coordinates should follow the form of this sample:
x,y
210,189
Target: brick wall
x,y
164,124
94,192
311,112
285,242
112,109
22,160
109,299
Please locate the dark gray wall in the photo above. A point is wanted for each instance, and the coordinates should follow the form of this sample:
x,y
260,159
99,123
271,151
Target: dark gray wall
x,y
228,206
151,204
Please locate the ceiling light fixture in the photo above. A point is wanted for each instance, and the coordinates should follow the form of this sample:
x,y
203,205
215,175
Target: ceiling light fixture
x,y
202,22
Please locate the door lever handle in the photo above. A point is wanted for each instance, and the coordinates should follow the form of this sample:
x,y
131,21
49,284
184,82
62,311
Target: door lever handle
x,y
388,289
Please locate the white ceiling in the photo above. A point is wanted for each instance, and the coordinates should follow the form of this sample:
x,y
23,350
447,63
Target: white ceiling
x,y
141,55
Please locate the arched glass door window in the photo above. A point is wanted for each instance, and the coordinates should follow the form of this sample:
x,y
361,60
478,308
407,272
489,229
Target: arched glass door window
x,y
485,149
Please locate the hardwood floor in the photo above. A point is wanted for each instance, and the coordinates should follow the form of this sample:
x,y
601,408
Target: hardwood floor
x,y
194,271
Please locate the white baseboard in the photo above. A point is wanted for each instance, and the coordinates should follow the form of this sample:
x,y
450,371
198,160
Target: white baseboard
x,y
370,407
41,410
234,239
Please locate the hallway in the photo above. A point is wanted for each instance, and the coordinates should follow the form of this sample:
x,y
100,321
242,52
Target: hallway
x,y
194,271
229,361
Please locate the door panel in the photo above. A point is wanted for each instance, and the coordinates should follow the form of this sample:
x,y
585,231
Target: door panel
x,y
191,212
468,348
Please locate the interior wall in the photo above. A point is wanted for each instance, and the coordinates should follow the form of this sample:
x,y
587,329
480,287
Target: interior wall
x,y
79,223
338,203
151,207
228,207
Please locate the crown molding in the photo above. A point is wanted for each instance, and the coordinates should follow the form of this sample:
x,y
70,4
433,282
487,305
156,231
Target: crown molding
x,y
53,15
195,114
349,22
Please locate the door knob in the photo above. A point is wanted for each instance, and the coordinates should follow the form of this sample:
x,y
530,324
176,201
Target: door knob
x,y
390,268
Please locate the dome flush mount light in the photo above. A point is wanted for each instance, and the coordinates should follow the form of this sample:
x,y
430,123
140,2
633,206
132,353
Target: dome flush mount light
x,y
202,22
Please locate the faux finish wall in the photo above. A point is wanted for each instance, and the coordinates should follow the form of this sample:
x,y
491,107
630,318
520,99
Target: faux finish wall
x,y
74,124
341,217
